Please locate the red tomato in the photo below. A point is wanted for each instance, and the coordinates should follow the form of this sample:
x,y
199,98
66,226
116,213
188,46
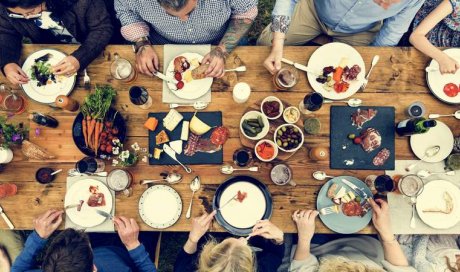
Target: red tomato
x,y
451,90
341,87
108,148
180,85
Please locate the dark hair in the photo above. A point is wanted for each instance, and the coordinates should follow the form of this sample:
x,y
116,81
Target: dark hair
x,y
56,6
70,251
173,4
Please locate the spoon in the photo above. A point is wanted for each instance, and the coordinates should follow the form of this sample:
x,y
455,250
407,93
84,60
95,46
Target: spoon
x,y
426,173
352,102
55,172
321,175
430,152
413,201
198,105
455,114
171,178
237,69
194,186
228,169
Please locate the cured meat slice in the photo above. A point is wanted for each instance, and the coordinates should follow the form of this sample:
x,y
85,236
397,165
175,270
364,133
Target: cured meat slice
x,y
96,199
381,157
192,143
360,117
241,196
371,140
352,208
197,144
219,135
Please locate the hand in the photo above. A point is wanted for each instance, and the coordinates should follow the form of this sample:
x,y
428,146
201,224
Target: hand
x,y
147,60
448,65
68,66
305,221
381,218
216,61
268,230
128,230
386,3
200,225
15,74
273,61
47,223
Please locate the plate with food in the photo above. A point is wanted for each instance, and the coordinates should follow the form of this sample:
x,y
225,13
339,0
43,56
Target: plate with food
x,y
240,202
344,209
340,70
438,204
440,135
160,206
254,125
188,70
43,85
445,87
84,198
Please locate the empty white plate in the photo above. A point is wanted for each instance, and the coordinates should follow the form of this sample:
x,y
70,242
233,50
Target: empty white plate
x,y
439,135
160,206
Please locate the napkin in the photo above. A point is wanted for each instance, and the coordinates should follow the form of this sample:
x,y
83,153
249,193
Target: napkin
x,y
107,225
400,207
171,51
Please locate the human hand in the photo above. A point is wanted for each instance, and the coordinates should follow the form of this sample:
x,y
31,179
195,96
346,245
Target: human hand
x,y
68,66
128,230
273,62
216,60
47,223
147,60
305,221
15,74
200,225
386,3
448,65
381,218
268,230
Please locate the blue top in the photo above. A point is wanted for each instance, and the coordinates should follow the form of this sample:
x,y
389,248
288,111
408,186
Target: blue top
x,y
354,16
106,259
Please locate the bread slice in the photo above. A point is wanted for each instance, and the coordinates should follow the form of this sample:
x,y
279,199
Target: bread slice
x,y
200,71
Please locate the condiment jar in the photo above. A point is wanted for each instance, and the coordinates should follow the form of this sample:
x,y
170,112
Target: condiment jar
x,y
319,153
67,103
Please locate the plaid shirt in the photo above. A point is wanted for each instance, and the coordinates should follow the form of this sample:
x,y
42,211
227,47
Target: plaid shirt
x,y
207,23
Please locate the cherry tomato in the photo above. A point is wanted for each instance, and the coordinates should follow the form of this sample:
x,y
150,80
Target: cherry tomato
x,y
108,149
115,131
451,90
180,85
357,140
102,148
178,76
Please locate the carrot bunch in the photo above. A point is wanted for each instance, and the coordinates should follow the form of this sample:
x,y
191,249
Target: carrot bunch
x,y
94,110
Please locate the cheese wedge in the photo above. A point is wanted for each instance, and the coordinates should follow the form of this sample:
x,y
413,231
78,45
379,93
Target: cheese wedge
x,y
176,146
172,119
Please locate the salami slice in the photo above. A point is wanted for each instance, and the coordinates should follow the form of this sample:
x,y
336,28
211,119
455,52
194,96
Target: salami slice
x,y
352,208
381,157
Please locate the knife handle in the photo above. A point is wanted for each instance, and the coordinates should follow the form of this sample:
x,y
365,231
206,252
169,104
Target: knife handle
x,y
7,220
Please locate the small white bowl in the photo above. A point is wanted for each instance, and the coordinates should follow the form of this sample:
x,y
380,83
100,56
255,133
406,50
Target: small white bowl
x,y
271,143
294,149
269,99
289,109
252,115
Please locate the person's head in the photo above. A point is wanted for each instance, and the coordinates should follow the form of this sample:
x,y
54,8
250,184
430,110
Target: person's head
x,y
344,265
231,255
70,251
30,9
178,8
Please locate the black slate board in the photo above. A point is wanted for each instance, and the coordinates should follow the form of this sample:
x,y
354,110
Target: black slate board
x,y
212,118
341,127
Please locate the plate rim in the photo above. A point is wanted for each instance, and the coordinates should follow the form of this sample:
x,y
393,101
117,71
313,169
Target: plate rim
x,y
428,79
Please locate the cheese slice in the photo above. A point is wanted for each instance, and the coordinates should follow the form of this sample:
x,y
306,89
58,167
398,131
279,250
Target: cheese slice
x,y
172,119
341,192
176,146
185,130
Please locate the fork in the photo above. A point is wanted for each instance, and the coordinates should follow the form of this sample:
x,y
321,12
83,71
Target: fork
x,y
329,210
87,81
375,59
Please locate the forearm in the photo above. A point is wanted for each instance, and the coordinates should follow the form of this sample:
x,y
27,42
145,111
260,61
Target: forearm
x,y
419,41
191,246
237,29
302,251
26,260
278,41
141,259
393,252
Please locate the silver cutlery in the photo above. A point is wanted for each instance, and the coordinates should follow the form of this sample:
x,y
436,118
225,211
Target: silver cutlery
x,y
228,201
300,67
321,175
74,173
429,152
375,59
106,215
352,102
237,69
198,105
228,169
194,186
6,219
87,81
455,114
426,173
413,201
171,153
356,189
165,78
329,210
171,178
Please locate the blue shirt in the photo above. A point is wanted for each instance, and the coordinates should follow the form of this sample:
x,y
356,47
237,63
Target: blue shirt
x,y
106,259
354,16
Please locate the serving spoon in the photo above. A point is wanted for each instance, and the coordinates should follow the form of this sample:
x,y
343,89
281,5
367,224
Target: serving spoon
x,y
228,169
171,178
321,175
352,102
429,152
198,105
455,114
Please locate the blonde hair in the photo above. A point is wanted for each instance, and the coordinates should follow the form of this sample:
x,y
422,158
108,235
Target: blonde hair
x,y
344,265
226,257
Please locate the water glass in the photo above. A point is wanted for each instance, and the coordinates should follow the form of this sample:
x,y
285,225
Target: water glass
x,y
122,69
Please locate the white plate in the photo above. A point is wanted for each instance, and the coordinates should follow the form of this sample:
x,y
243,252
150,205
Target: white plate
x,y
439,135
330,55
433,197
436,81
87,216
47,94
160,206
193,89
243,214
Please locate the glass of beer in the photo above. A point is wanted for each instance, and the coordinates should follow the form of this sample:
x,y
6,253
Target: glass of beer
x,y
285,78
122,69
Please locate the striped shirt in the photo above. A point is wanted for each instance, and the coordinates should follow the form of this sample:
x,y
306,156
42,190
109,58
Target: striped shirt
x,y
207,23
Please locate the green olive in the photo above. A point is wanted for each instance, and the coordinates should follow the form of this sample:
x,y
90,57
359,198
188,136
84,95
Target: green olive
x,y
280,132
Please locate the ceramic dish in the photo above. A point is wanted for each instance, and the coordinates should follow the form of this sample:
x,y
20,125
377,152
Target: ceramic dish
x,y
275,147
160,206
439,135
299,145
255,115
269,99
291,115
436,81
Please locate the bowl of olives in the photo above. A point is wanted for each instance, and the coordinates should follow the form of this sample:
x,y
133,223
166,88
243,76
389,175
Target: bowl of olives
x,y
288,137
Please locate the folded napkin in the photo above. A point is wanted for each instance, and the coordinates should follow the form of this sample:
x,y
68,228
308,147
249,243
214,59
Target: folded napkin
x,y
107,225
170,51
400,207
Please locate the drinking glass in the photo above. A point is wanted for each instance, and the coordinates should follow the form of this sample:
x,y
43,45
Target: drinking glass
x,y
281,174
384,184
140,96
285,78
120,180
241,92
90,165
10,101
310,103
122,69
242,157
411,185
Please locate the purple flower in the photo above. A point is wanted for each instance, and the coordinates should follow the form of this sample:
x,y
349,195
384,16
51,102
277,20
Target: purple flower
x,y
37,132
16,137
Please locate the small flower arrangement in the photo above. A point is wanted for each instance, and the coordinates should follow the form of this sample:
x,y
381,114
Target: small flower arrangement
x,y
128,157
11,134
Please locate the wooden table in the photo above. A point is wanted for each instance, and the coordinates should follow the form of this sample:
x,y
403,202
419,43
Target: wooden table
x,y
398,80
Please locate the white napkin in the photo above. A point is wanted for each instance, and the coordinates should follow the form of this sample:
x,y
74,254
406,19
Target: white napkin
x,y
400,207
170,51
107,225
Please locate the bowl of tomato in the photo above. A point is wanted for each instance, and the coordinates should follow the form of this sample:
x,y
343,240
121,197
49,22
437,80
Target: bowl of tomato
x,y
266,150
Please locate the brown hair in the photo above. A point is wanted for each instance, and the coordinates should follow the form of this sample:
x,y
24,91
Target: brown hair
x,y
226,257
344,265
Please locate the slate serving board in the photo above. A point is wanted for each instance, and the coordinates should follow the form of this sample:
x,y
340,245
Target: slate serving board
x,y
212,118
343,149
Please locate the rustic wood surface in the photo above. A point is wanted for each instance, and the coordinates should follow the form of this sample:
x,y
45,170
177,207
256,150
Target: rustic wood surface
x,y
398,80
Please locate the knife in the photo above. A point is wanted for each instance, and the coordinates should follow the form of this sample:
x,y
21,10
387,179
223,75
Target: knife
x,y
106,215
168,150
165,78
300,67
7,220
357,190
